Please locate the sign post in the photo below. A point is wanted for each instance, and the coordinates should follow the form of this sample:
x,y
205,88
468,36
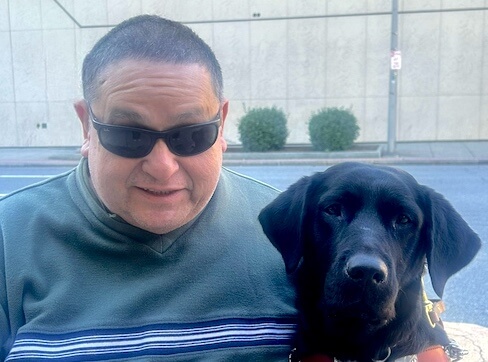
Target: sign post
x,y
395,65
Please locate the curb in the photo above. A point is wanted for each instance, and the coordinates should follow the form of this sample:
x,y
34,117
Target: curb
x,y
305,152
291,155
245,161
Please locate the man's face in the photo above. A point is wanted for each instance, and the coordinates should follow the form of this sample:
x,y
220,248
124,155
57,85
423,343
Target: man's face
x,y
161,191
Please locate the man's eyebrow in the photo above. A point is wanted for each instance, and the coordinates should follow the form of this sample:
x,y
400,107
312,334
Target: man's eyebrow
x,y
193,116
126,115
132,117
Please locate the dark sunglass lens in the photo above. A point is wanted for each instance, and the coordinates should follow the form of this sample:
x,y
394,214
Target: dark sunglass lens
x,y
125,143
192,140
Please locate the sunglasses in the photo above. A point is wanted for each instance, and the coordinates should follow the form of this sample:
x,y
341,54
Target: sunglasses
x,y
133,142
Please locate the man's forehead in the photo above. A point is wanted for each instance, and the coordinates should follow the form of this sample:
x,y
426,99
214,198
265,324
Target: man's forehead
x,y
143,64
135,75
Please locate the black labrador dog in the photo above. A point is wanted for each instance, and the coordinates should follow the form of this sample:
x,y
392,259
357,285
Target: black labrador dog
x,y
355,239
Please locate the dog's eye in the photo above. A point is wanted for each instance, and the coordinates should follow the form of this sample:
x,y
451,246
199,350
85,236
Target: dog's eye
x,y
403,220
333,210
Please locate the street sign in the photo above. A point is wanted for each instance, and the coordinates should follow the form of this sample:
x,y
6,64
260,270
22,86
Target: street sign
x,y
396,59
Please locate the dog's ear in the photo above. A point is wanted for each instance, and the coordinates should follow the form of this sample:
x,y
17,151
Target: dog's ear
x,y
282,222
452,243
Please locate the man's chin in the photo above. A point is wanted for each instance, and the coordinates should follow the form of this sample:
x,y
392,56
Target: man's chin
x,y
159,222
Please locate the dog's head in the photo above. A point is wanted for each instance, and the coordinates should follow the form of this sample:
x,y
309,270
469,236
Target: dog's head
x,y
368,225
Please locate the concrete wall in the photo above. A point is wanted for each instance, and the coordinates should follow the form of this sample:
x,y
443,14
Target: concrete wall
x,y
299,55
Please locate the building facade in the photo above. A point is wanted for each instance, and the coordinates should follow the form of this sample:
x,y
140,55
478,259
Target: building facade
x,y
298,55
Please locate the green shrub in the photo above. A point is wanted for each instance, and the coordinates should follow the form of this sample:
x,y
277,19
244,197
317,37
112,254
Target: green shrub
x,y
333,129
263,129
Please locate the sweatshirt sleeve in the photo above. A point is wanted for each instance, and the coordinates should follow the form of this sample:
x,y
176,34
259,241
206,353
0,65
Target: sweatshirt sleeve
x,y
4,324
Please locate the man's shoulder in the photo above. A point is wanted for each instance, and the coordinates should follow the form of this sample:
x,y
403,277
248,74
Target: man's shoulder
x,y
248,183
47,190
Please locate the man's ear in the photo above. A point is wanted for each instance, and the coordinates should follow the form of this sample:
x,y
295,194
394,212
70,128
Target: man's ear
x,y
452,243
223,116
81,109
282,221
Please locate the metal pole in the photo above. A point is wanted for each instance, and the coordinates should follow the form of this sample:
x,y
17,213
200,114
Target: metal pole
x,y
392,96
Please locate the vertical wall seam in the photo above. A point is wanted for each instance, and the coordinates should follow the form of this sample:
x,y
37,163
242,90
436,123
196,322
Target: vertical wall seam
x,y
481,95
45,60
439,65
17,137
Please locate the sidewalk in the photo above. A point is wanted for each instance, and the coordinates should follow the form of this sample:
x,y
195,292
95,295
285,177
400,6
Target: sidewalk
x,y
462,152
405,153
470,337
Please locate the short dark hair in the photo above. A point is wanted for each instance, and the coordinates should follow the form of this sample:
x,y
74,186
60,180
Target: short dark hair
x,y
149,37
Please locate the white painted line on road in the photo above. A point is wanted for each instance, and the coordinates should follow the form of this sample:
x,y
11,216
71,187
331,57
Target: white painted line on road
x,y
25,176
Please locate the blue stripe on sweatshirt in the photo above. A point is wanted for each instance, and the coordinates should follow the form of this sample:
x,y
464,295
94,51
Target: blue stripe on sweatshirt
x,y
156,339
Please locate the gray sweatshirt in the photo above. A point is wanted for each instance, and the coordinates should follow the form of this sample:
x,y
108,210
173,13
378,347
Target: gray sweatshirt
x,y
78,284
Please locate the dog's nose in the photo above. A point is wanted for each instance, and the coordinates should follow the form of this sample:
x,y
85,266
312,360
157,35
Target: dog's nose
x,y
367,269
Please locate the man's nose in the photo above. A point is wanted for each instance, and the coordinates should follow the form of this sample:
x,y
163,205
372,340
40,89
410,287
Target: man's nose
x,y
160,162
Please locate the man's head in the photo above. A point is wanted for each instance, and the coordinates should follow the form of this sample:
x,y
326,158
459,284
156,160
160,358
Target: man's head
x,y
148,37
151,74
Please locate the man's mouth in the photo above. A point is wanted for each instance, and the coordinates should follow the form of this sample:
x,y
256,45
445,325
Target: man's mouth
x,y
158,192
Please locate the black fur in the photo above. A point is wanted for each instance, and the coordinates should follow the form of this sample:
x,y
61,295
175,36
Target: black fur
x,y
355,240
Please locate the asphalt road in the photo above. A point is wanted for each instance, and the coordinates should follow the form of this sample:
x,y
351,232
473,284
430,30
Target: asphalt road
x,y
465,186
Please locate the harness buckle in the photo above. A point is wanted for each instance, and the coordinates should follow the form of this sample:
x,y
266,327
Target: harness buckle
x,y
454,351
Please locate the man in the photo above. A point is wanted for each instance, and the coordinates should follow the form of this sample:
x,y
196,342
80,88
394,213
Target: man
x,y
149,249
